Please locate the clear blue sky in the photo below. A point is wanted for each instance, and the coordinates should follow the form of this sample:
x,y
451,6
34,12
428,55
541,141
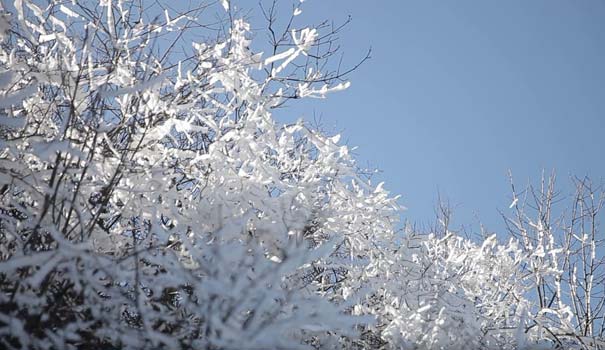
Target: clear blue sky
x,y
458,92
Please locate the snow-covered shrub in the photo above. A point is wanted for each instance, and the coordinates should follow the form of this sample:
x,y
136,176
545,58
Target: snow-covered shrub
x,y
450,293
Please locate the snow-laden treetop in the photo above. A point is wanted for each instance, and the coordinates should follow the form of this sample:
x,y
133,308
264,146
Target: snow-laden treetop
x,y
149,200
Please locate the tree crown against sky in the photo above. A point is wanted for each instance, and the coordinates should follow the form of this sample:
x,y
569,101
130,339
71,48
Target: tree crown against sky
x,y
150,199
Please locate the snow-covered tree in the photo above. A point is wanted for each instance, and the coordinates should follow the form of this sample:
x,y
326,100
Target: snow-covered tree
x,y
149,199
148,202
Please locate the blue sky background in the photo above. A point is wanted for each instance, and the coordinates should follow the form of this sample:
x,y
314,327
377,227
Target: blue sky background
x,y
457,93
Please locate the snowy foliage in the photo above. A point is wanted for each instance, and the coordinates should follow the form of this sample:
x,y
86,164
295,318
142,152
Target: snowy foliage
x,y
150,200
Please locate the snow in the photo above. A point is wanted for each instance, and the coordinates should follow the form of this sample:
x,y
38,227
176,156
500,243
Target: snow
x,y
17,98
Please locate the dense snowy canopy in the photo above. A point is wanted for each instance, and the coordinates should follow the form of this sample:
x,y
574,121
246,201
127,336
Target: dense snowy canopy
x,y
149,199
